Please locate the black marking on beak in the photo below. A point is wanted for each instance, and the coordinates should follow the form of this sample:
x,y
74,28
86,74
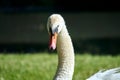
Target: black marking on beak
x,y
50,30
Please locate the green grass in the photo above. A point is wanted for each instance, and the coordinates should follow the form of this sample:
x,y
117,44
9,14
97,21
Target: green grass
x,y
42,66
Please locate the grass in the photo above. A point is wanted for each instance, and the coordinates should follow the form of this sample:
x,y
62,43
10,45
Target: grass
x,y
42,66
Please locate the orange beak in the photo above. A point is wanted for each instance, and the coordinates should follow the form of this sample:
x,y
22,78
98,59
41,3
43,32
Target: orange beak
x,y
53,40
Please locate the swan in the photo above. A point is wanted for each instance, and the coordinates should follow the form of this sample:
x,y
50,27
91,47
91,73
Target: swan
x,y
60,39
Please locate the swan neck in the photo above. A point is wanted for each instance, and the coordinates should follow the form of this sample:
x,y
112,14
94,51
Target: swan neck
x,y
65,56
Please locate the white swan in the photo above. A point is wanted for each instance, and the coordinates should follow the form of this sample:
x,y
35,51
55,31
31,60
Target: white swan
x,y
60,36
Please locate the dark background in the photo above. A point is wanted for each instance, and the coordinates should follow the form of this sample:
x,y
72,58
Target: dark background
x,y
61,5
93,25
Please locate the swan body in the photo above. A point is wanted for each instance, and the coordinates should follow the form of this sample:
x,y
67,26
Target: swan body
x,y
111,74
59,36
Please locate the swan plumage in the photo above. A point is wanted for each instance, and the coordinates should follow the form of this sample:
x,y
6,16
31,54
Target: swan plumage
x,y
59,36
111,74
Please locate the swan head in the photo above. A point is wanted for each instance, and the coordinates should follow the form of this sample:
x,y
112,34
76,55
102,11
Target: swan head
x,y
54,26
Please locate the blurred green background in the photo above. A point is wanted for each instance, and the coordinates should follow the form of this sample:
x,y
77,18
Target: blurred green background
x,y
93,26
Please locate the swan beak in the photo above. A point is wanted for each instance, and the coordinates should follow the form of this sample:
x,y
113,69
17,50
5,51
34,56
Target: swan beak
x,y
53,39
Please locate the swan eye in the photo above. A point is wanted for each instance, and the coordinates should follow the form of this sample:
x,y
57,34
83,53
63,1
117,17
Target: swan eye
x,y
57,26
56,30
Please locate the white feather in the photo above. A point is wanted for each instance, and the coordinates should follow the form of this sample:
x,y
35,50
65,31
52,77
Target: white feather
x,y
111,74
